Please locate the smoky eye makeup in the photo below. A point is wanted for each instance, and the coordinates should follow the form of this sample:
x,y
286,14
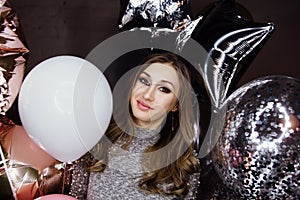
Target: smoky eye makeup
x,y
144,80
164,86
165,89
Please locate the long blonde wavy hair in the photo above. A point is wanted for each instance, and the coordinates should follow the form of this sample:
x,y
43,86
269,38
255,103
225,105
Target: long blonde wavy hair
x,y
178,130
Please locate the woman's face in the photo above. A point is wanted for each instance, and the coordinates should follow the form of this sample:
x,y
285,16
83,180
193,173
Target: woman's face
x,y
154,94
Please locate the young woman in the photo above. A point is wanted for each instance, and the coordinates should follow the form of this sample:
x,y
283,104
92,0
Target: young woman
x,y
147,151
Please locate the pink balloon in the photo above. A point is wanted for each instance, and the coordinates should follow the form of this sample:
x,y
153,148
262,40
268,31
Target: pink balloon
x,y
23,150
56,197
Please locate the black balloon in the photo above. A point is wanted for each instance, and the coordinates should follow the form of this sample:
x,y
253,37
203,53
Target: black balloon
x,y
153,13
232,42
258,153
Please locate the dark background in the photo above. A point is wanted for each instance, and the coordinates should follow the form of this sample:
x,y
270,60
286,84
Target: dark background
x,y
75,27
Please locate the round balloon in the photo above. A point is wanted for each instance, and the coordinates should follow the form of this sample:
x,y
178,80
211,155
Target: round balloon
x,y
257,155
56,197
24,151
65,106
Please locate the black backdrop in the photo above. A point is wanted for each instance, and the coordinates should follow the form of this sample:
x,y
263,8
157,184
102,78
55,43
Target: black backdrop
x,y
75,27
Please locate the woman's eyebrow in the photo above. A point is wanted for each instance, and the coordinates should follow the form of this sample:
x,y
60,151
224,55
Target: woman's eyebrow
x,y
165,81
146,74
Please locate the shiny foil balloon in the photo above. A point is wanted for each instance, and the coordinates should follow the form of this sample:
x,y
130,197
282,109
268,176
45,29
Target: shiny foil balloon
x,y
258,153
232,42
154,13
12,60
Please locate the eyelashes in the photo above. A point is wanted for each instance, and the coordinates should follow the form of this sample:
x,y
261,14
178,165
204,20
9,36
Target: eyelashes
x,y
146,82
164,90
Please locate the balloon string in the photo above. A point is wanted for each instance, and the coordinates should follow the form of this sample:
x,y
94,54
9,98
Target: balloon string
x,y
7,174
64,177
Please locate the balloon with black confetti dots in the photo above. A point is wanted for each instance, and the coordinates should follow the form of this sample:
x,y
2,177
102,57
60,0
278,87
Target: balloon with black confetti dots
x,y
257,155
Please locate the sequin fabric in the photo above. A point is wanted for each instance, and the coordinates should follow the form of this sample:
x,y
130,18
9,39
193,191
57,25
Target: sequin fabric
x,y
119,179
80,177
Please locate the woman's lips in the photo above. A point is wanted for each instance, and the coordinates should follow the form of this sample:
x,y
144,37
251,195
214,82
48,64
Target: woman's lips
x,y
143,106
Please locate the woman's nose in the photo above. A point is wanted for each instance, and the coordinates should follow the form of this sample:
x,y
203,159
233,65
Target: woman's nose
x,y
149,93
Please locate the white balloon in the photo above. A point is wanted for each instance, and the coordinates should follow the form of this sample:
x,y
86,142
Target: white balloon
x,y
65,105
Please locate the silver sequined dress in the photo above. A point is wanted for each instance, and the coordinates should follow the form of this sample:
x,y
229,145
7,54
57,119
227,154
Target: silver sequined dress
x,y
119,179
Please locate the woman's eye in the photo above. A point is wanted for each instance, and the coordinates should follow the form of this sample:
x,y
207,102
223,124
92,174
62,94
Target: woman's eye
x,y
164,89
144,81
